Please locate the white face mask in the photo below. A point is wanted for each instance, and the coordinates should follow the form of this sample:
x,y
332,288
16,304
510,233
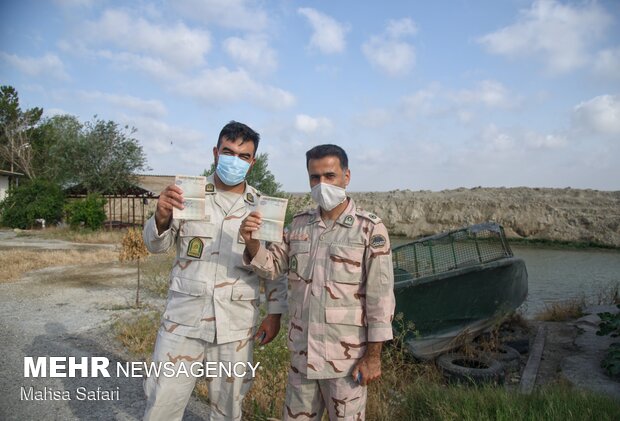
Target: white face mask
x,y
328,196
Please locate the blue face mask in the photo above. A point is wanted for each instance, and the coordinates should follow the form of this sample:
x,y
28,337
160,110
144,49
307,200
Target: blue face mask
x,y
231,169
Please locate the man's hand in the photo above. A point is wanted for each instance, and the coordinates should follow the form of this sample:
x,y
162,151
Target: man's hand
x,y
268,329
250,224
170,198
369,366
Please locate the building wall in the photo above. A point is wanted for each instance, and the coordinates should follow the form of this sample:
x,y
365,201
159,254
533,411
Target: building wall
x,y
4,186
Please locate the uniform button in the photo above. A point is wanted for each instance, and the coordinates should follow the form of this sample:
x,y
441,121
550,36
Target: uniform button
x,y
322,237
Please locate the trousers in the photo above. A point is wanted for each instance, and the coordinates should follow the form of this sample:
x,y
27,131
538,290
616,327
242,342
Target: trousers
x,y
307,399
167,395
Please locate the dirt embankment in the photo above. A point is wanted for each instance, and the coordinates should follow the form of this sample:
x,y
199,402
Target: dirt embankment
x,y
535,213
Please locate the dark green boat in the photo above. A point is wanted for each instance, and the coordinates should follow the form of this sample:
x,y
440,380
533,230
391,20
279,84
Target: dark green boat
x,y
455,285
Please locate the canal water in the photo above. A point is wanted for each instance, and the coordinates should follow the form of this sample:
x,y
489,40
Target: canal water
x,y
561,274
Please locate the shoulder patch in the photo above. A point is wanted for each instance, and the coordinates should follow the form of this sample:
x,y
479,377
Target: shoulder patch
x,y
368,215
377,241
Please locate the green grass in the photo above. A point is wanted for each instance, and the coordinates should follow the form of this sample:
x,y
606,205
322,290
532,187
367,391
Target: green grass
x,y
559,402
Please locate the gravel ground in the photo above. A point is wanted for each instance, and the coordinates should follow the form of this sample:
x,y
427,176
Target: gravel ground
x,y
67,311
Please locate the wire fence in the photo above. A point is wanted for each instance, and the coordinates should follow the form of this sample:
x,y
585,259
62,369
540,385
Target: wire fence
x,y
448,251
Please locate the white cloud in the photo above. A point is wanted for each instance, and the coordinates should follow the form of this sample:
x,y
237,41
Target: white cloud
x,y
419,102
402,27
374,118
607,63
150,65
235,14
389,52
223,85
329,35
559,34
253,51
178,45
74,3
51,112
309,125
146,107
489,93
600,115
46,65
191,151
539,141
497,140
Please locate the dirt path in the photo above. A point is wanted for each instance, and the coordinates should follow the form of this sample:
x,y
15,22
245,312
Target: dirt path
x,y
67,311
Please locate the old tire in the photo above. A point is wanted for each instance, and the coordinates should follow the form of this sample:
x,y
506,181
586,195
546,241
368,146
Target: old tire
x,y
522,345
508,356
477,369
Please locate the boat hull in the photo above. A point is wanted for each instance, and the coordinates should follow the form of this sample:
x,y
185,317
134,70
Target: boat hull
x,y
450,308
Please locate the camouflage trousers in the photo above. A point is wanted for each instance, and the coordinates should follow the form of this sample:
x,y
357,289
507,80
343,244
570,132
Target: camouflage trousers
x,y
167,396
307,399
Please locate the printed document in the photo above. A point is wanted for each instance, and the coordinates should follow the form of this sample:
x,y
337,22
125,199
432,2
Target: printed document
x,y
273,212
193,195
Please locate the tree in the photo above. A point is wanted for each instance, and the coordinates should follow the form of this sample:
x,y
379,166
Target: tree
x,y
15,130
35,199
133,248
88,212
104,158
51,144
259,177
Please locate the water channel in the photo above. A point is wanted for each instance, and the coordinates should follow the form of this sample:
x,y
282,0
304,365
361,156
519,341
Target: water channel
x,y
562,274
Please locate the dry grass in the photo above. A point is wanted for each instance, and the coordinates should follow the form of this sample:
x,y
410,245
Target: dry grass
x,y
78,236
156,270
16,262
563,310
138,333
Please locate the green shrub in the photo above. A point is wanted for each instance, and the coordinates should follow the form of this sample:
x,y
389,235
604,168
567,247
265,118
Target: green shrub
x,y
32,200
87,213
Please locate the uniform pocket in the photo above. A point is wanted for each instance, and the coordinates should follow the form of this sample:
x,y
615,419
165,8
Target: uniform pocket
x,y
195,240
185,301
345,263
299,259
244,302
345,333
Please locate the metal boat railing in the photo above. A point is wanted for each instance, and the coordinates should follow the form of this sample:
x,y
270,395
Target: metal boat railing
x,y
476,244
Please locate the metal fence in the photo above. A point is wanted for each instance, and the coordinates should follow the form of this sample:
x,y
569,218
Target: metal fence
x,y
447,251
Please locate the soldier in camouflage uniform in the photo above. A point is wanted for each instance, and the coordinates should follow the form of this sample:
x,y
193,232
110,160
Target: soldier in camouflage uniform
x,y
212,308
341,299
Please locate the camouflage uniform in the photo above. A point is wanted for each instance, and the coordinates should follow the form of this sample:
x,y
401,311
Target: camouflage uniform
x,y
212,307
341,297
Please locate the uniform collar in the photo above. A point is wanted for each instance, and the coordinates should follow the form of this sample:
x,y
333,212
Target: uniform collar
x,y
346,218
250,194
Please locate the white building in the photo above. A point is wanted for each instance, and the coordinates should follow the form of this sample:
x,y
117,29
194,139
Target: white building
x,y
7,178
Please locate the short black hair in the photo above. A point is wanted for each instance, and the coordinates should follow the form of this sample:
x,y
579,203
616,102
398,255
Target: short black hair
x,y
321,151
235,130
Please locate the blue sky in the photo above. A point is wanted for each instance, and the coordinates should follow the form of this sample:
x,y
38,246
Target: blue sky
x,y
422,95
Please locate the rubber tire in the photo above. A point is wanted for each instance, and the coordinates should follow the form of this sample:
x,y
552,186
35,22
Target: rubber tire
x,y
522,345
508,356
490,371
